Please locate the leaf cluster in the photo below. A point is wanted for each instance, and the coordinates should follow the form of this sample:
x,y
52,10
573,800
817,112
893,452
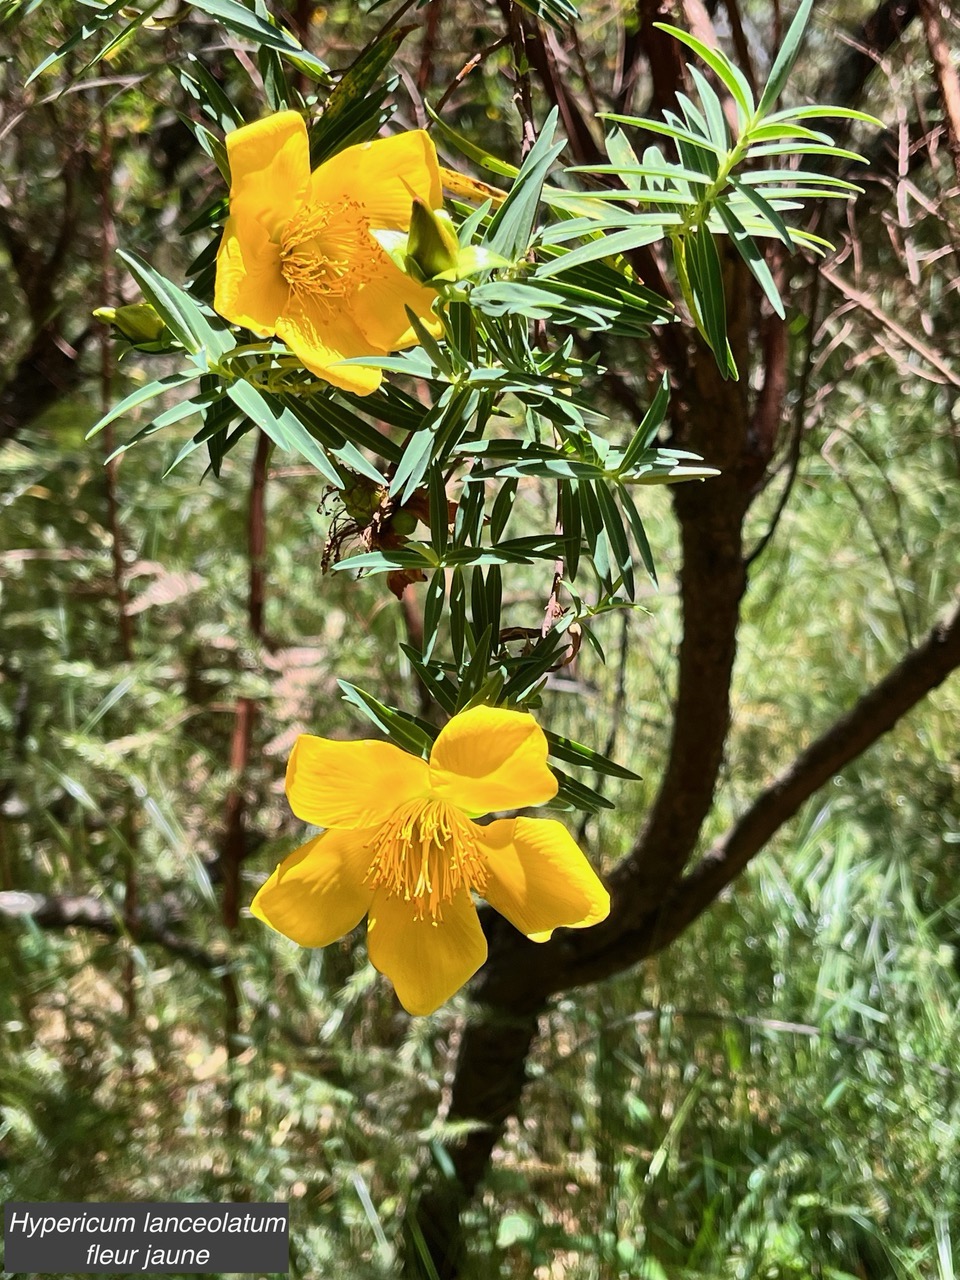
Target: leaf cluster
x,y
504,403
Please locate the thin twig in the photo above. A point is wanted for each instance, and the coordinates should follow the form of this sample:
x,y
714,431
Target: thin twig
x,y
522,95
469,66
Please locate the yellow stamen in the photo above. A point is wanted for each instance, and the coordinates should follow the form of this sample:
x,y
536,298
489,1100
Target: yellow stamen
x,y
426,852
323,249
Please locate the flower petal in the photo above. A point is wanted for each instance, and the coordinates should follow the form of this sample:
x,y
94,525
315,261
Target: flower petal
x,y
426,960
269,172
379,306
488,758
249,288
351,784
317,894
539,878
384,176
321,337
269,178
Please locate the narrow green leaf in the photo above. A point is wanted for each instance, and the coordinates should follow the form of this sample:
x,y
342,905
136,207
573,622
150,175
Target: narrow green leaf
x,y
351,92
142,395
458,616
402,729
713,109
728,74
747,248
502,506
666,131
439,517
616,535
433,610
512,225
638,531
413,465
770,215
706,280
579,796
243,22
182,316
593,532
576,753
204,88
470,149
609,246
282,427
475,673
440,687
787,56
494,598
646,432
78,37
311,411
570,523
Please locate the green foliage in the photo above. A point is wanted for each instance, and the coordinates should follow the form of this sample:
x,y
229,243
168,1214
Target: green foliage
x,y
518,271
784,1103
776,1094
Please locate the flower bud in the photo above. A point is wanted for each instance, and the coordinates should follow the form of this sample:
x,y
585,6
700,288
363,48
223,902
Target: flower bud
x,y
138,323
432,245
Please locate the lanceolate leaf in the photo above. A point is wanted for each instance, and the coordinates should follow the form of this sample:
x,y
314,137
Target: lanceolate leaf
x,y
647,431
282,427
181,314
728,74
511,226
143,395
752,256
243,22
783,64
405,730
576,753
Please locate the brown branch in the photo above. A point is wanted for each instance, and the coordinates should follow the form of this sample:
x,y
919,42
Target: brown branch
x,y
257,535
521,63
741,46
430,33
922,670
945,71
84,911
233,847
869,304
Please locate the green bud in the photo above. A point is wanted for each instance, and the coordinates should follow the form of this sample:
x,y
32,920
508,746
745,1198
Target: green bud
x,y
403,522
432,245
138,323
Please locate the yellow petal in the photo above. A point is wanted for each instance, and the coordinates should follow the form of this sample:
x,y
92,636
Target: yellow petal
x,y
269,178
426,960
488,758
351,784
383,176
317,894
321,336
379,307
249,288
539,878
269,172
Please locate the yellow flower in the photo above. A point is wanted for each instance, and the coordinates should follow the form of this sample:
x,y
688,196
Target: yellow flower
x,y
298,258
401,847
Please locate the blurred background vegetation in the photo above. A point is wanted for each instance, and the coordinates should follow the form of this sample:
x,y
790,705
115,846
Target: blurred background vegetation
x,y
776,1094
